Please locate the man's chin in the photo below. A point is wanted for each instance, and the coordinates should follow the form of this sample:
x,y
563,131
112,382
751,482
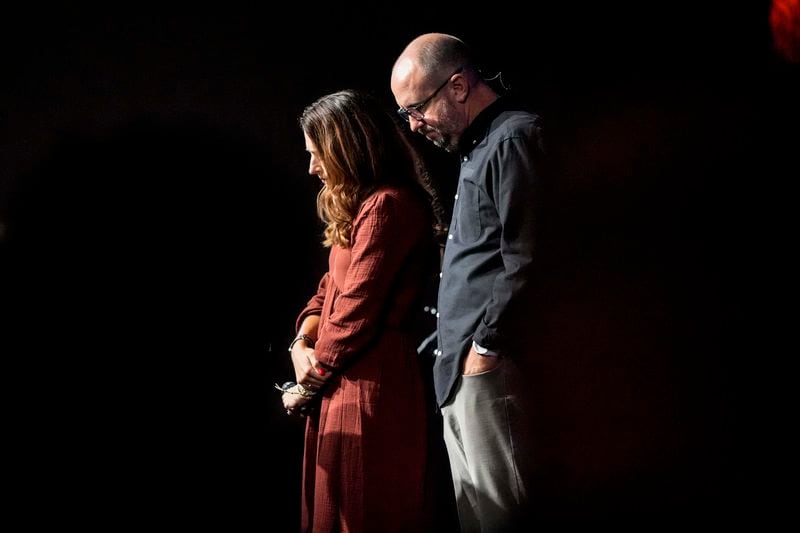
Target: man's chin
x,y
437,140
442,143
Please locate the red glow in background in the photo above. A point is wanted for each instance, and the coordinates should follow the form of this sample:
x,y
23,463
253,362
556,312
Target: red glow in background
x,y
784,19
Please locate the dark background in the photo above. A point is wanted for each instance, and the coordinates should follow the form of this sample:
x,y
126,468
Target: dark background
x,y
159,236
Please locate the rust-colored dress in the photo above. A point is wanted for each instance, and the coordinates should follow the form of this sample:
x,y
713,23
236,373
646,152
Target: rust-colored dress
x,y
365,451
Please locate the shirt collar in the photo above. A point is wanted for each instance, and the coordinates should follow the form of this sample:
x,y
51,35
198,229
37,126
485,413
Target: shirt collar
x,y
479,127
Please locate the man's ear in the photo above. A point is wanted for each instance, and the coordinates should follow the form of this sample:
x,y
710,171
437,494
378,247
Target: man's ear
x,y
460,87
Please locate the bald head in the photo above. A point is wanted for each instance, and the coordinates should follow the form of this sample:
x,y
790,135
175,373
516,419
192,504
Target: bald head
x,y
425,57
438,88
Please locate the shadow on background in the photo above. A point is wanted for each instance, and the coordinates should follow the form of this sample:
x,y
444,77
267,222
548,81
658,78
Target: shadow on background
x,y
148,272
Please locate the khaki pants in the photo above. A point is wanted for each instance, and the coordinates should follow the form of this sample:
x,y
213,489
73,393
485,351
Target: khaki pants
x,y
487,439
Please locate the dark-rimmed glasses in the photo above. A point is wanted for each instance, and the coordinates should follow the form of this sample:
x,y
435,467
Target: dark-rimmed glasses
x,y
416,110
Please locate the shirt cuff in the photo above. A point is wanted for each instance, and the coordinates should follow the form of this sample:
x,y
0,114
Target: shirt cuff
x,y
480,350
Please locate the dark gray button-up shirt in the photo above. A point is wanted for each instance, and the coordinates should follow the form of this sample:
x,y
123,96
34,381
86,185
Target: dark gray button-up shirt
x,y
489,255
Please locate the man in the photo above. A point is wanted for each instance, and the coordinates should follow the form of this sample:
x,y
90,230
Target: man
x,y
487,269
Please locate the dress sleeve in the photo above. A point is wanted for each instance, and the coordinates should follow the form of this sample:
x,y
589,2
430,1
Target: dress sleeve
x,y
385,232
314,305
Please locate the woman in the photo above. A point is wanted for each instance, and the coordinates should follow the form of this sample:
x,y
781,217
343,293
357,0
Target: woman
x,y
365,446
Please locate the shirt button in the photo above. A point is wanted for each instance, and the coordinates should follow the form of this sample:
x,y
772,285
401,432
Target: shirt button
x,y
440,275
456,197
474,141
450,236
465,158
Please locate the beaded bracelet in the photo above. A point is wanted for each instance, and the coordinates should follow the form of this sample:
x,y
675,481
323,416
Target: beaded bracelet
x,y
302,337
296,388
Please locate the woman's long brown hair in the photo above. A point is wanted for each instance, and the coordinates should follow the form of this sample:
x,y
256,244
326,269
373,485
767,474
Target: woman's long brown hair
x,y
362,148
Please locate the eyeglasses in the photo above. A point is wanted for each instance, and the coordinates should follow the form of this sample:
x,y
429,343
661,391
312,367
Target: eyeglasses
x,y
415,110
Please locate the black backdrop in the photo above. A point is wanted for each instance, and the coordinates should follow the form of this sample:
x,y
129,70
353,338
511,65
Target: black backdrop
x,y
160,231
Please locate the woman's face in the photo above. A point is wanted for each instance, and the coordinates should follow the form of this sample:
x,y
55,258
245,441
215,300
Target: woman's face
x,y
315,165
